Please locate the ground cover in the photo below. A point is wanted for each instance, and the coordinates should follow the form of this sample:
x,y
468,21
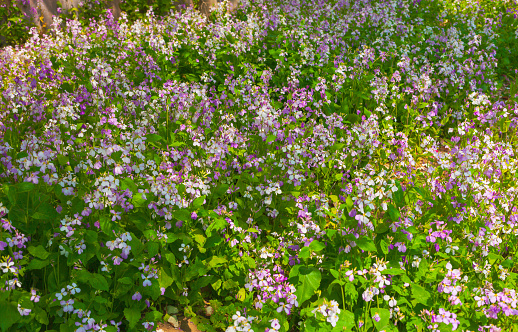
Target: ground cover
x,y
290,166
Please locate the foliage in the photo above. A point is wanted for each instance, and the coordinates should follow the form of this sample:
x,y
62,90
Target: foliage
x,y
14,27
320,166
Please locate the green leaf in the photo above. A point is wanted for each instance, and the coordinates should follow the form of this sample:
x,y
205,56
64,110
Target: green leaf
x,y
137,200
198,202
152,248
41,316
21,155
216,261
241,295
384,315
37,264
271,138
384,247
216,285
393,213
45,212
304,253
132,315
125,281
366,244
346,322
128,183
306,280
98,282
106,224
393,271
399,195
63,160
213,241
349,203
164,279
151,138
316,245
8,315
220,190
420,294
39,252
24,187
216,225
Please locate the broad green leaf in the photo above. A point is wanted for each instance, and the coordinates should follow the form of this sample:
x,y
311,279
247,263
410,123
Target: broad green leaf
x,y
384,247
164,279
393,213
306,280
198,202
345,322
384,316
241,295
216,261
8,315
393,271
271,138
150,138
37,264
126,281
63,160
39,252
137,200
399,196
304,253
132,315
316,245
420,294
366,244
221,190
98,282
128,183
24,187
349,203
152,248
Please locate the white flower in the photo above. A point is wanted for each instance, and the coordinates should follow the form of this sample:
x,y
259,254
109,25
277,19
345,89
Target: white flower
x,y
8,267
392,302
73,289
59,296
22,311
275,324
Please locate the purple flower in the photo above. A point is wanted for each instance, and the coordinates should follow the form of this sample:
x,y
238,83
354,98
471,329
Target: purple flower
x,y
146,282
23,312
2,245
136,297
18,254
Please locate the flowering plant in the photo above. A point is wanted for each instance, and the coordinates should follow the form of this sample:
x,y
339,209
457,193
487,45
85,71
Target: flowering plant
x,y
281,167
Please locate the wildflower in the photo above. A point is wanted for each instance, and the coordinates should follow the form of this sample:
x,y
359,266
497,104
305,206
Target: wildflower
x,y
136,297
146,282
8,266
22,311
67,305
392,302
275,324
60,296
35,298
73,289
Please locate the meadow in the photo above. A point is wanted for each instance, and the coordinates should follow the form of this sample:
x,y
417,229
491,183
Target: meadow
x,y
329,165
